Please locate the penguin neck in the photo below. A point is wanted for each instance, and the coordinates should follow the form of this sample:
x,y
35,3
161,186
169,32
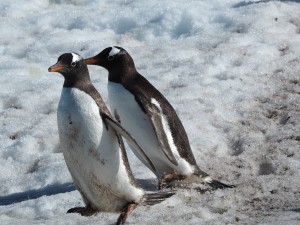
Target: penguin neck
x,y
122,74
83,83
78,81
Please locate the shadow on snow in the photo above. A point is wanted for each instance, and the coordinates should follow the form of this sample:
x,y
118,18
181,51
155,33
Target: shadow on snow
x,y
54,189
148,184
33,194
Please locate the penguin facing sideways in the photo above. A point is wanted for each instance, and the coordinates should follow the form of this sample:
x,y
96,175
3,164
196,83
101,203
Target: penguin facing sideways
x,y
151,120
93,148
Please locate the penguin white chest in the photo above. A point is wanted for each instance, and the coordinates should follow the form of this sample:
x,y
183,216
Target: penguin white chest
x,y
138,124
92,153
79,121
135,121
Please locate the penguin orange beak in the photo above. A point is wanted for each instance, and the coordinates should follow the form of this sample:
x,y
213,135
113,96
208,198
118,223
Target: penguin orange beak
x,y
55,68
90,61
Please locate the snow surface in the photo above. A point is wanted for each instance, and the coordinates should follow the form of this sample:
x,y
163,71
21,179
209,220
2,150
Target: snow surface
x,y
229,67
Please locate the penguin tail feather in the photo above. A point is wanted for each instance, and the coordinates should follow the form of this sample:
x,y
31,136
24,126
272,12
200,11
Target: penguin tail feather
x,y
206,179
216,184
156,197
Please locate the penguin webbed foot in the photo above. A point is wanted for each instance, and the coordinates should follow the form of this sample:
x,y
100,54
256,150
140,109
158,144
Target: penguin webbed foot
x,y
165,180
83,211
127,211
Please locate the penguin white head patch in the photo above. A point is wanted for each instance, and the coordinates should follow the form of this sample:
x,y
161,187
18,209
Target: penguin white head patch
x,y
114,51
75,57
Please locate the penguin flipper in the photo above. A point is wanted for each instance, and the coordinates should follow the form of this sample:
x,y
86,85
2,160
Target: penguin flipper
x,y
156,117
120,130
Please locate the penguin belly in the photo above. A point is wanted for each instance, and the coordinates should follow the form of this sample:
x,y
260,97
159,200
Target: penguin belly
x,y
137,123
92,154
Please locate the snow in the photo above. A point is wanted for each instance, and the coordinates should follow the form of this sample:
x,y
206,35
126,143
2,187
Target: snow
x,y
229,68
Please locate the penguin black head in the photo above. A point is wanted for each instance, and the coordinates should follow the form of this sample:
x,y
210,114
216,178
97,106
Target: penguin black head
x,y
67,64
72,66
112,58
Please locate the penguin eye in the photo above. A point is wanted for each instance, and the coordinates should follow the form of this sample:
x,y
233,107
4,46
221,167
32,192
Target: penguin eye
x,y
110,57
73,64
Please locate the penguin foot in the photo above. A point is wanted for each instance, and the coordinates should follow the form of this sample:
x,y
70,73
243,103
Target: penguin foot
x,y
124,215
202,190
166,179
84,211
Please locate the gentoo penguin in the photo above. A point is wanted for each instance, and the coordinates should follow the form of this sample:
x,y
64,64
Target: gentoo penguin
x,y
92,147
150,119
